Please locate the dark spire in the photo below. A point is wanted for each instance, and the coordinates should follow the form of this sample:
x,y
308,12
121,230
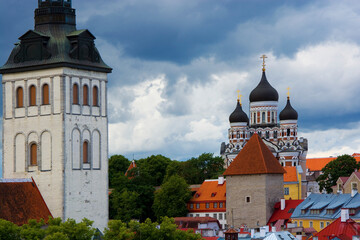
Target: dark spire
x,y
288,113
264,91
238,115
54,12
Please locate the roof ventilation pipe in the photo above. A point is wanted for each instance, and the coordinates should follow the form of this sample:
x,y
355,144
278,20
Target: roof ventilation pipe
x,y
282,204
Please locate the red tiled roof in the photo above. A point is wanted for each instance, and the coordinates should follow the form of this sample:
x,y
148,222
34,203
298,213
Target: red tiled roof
x,y
21,201
207,190
254,158
290,175
231,230
310,230
192,222
344,179
132,165
342,230
286,213
316,164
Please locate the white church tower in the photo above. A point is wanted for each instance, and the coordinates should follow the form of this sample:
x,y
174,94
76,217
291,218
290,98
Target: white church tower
x,y
55,114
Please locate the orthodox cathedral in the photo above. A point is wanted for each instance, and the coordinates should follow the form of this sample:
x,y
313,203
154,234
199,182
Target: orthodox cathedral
x,y
279,134
55,114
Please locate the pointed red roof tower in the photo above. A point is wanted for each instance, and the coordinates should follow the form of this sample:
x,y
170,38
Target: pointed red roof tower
x,y
254,158
254,183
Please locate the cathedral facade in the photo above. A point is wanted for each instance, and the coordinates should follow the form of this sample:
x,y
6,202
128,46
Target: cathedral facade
x,y
278,131
55,114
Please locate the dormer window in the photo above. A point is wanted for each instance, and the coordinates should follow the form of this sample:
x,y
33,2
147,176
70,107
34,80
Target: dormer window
x,y
197,195
213,194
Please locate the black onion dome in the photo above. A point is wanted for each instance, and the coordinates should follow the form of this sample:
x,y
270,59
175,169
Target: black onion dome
x,y
288,113
264,91
238,115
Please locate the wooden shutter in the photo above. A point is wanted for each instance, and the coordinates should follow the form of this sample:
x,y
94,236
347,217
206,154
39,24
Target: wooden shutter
x,y
19,97
75,94
32,95
45,94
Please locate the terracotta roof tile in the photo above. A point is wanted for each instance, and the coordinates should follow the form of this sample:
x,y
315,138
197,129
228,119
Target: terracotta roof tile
x,y
21,201
132,165
290,175
342,230
285,214
207,190
254,158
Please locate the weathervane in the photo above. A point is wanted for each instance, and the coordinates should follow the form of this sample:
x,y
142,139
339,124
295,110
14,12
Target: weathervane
x,y
239,96
263,58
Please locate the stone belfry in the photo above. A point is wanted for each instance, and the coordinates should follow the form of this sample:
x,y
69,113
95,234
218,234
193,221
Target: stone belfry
x,y
55,114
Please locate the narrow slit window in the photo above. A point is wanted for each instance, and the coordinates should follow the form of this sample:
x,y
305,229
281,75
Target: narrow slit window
x,y
19,97
33,154
86,152
85,95
75,94
95,96
45,94
32,95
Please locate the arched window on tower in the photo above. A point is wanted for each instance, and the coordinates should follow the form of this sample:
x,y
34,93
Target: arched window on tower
x,y
95,96
33,154
254,118
288,132
85,95
86,152
237,134
275,134
75,93
19,97
263,117
45,94
272,117
32,95
267,134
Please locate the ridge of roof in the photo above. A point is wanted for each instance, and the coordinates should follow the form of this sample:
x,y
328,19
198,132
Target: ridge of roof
x,y
254,158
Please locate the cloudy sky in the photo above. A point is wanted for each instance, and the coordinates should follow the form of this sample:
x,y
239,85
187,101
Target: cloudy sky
x,y
177,66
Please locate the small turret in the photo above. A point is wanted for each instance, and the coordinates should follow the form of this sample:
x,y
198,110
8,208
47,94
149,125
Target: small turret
x,y
54,12
288,113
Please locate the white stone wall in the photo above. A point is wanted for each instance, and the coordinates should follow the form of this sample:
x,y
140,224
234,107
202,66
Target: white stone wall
x,y
70,189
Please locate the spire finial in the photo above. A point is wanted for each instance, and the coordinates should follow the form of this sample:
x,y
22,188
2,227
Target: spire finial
x,y
263,58
239,96
288,92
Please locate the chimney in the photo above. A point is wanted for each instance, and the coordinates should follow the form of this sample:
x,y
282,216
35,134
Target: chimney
x,y
282,204
262,232
273,229
344,214
353,192
221,180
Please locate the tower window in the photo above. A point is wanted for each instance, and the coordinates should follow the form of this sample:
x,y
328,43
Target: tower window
x,y
254,118
86,152
45,94
275,134
288,132
85,95
267,135
33,154
75,94
263,117
19,97
32,95
272,117
95,96
247,199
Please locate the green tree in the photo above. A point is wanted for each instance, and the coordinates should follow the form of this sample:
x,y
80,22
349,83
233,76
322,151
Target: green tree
x,y
155,167
57,236
342,166
70,228
32,230
118,165
9,230
127,206
118,230
171,199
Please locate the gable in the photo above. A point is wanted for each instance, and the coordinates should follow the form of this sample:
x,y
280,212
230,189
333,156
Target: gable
x,y
31,34
353,178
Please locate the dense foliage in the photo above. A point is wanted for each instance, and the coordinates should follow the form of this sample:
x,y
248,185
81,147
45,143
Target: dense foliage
x,y
54,229
342,166
119,230
170,200
133,195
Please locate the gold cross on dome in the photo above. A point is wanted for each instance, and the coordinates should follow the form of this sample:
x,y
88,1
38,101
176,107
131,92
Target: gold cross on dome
x,y
288,92
239,96
263,58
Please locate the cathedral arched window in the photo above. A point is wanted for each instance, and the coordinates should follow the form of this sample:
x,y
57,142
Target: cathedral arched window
x,y
267,134
45,94
75,93
275,134
19,97
259,133
288,132
272,117
86,152
33,154
237,134
32,95
263,117
95,96
254,118
85,95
